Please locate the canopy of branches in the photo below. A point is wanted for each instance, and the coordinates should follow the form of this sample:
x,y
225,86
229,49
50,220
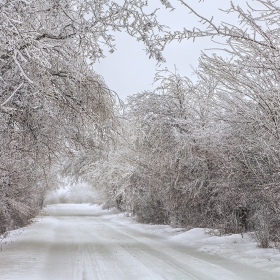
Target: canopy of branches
x,y
188,154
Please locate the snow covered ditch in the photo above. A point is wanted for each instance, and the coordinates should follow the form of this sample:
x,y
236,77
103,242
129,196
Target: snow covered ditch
x,y
241,249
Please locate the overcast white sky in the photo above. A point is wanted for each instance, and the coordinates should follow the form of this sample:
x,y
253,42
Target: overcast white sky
x,y
129,70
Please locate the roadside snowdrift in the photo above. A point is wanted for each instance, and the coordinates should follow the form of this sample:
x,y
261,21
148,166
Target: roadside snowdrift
x,y
235,247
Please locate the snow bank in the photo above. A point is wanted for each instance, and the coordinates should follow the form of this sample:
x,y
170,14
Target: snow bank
x,y
235,247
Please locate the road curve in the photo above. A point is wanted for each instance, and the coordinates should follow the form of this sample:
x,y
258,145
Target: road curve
x,y
81,242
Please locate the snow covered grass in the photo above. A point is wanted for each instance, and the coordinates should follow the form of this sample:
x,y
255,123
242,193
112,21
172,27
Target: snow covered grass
x,y
236,247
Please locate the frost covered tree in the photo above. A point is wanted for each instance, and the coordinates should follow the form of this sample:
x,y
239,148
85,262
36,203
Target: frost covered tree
x,y
51,101
187,153
245,78
202,151
247,97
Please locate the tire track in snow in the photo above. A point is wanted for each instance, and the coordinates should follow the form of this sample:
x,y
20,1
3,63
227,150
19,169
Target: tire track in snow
x,y
80,242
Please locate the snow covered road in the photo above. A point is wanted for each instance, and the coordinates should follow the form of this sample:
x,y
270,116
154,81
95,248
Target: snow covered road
x,y
83,242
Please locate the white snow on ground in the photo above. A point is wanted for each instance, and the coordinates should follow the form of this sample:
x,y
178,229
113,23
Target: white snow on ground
x,y
73,241
235,247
